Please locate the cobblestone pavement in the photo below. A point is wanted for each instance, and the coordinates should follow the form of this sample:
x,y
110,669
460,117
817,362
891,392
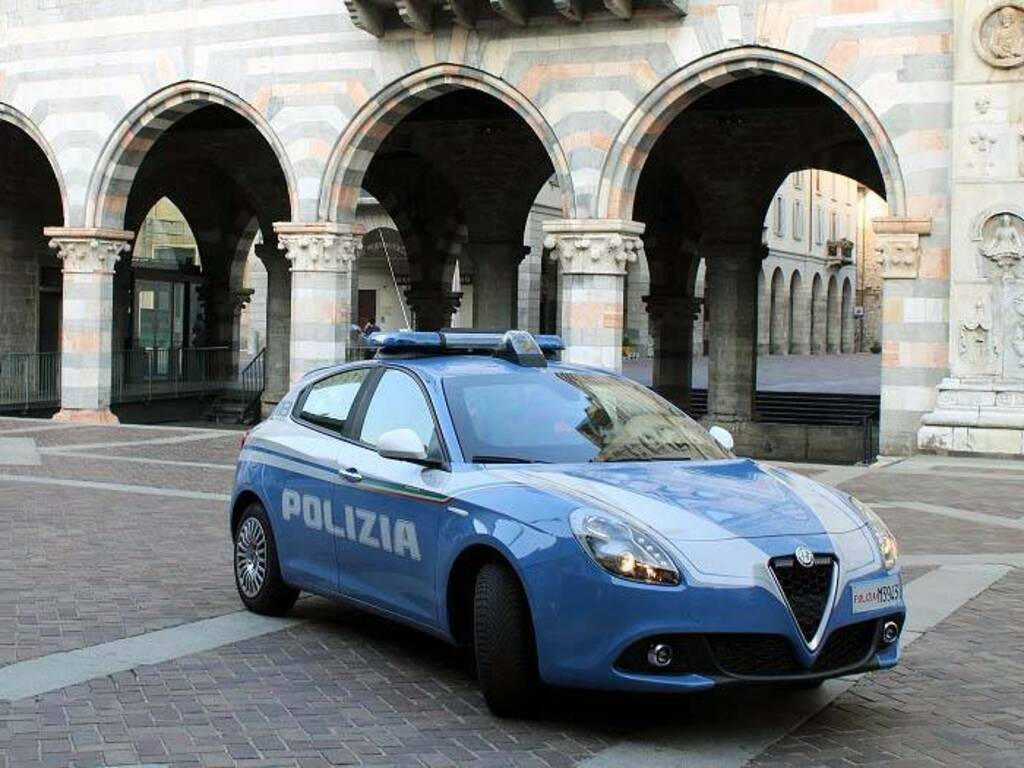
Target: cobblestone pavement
x,y
119,532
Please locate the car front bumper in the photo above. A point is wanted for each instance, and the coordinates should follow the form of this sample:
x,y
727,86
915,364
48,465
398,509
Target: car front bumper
x,y
594,630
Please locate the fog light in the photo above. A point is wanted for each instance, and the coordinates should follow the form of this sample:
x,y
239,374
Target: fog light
x,y
890,631
659,655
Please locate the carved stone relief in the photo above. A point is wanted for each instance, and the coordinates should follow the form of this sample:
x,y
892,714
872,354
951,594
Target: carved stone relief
x,y
1018,330
899,255
981,161
978,345
1002,243
999,34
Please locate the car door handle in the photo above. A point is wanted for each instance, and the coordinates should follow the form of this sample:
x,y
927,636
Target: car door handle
x,y
351,474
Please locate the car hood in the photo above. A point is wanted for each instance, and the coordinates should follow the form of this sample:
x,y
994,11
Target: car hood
x,y
699,501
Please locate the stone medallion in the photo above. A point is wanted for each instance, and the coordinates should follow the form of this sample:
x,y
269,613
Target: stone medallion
x,y
999,34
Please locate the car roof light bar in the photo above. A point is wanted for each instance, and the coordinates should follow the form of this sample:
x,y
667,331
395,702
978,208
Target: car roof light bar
x,y
520,347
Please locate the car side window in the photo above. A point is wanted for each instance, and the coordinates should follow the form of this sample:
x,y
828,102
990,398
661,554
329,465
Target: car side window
x,y
329,401
397,403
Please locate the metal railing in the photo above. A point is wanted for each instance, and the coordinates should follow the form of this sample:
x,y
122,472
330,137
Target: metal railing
x,y
170,372
251,379
29,380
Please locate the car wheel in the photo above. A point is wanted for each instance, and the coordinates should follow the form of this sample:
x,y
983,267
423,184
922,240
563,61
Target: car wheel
x,y
503,642
257,573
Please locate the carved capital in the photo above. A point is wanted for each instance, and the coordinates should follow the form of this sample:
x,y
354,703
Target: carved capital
x,y
593,246
88,250
432,306
672,310
900,255
319,247
240,299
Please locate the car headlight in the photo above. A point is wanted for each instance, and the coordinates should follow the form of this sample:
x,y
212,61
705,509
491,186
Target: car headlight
x,y
887,544
621,549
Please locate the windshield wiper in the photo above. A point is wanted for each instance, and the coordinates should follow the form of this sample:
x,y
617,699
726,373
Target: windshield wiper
x,y
484,459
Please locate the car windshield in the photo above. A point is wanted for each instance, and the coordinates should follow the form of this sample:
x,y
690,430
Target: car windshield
x,y
570,417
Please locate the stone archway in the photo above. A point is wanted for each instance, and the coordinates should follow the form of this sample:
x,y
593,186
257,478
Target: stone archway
x,y
218,158
127,147
620,174
32,196
703,156
12,116
438,150
351,156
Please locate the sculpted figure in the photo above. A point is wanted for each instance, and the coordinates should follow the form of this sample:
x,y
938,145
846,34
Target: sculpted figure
x,y
1007,38
1005,247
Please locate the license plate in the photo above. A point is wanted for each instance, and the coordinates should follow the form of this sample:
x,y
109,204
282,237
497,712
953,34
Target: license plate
x,y
875,594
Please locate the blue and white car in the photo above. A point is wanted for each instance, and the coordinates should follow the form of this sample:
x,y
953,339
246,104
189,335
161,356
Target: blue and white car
x,y
567,525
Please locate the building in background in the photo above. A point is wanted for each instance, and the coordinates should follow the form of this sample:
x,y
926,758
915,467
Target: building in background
x,y
270,124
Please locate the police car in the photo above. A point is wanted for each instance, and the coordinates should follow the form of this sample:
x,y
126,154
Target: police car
x,y
567,525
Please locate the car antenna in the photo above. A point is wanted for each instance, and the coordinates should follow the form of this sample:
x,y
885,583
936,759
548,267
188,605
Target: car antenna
x,y
394,280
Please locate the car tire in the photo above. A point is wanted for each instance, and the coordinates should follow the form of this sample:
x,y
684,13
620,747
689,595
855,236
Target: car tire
x,y
506,659
257,571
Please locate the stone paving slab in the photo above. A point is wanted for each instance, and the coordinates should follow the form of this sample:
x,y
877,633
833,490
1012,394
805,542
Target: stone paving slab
x,y
920,532
80,568
75,434
997,496
956,699
352,690
216,450
99,469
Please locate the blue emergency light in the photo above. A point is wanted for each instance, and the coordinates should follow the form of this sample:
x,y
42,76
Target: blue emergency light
x,y
521,347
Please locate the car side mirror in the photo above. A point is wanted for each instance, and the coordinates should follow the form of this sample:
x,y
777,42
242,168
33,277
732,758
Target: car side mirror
x,y
723,437
402,444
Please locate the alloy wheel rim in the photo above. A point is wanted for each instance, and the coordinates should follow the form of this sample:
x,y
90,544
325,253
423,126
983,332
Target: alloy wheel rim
x,y
251,557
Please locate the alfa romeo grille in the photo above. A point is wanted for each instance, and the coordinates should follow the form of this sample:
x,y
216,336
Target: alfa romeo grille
x,y
806,588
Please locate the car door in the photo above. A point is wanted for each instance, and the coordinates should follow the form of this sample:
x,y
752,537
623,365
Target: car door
x,y
392,508
301,485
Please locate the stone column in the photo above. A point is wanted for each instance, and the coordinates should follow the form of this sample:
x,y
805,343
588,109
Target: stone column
x,y
87,319
279,323
819,325
764,314
496,284
322,256
593,255
672,328
907,348
800,333
732,356
779,310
